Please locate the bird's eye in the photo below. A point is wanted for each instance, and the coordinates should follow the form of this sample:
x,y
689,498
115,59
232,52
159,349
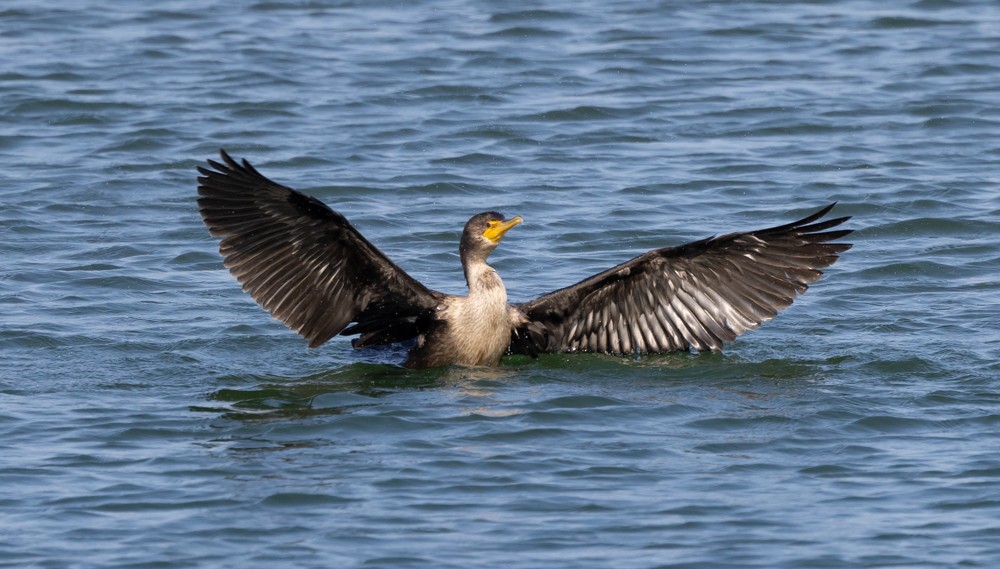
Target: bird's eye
x,y
492,224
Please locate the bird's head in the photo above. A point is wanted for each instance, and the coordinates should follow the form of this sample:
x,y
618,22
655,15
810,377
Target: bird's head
x,y
483,232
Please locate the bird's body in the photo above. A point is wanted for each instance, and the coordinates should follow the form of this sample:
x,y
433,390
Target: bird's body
x,y
484,310
312,270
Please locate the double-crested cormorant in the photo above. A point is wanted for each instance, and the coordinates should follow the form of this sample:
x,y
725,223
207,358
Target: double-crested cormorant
x,y
312,270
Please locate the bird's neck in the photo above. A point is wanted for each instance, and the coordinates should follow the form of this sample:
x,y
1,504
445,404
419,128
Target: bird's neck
x,y
483,280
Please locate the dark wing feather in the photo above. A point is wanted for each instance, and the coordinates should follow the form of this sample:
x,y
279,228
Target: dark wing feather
x,y
699,295
305,263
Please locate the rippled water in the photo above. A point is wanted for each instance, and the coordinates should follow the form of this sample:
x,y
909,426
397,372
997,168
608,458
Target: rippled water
x,y
152,416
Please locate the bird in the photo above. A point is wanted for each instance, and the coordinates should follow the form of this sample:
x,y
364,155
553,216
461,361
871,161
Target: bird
x,y
311,269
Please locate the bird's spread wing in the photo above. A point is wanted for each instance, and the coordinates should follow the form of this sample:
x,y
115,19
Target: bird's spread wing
x,y
699,295
305,263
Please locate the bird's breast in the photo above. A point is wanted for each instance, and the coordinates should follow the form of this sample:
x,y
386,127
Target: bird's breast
x,y
478,328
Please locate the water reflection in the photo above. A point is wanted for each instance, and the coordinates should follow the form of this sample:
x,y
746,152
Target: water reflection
x,y
328,393
481,391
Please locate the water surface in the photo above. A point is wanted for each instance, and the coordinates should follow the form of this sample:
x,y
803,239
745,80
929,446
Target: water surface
x,y
152,415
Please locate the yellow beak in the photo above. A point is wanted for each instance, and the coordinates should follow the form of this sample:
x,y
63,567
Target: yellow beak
x,y
497,228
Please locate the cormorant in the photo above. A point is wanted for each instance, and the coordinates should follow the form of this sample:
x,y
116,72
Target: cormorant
x,y
312,270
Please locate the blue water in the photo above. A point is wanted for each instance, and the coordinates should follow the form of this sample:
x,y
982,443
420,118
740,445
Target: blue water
x,y
151,415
